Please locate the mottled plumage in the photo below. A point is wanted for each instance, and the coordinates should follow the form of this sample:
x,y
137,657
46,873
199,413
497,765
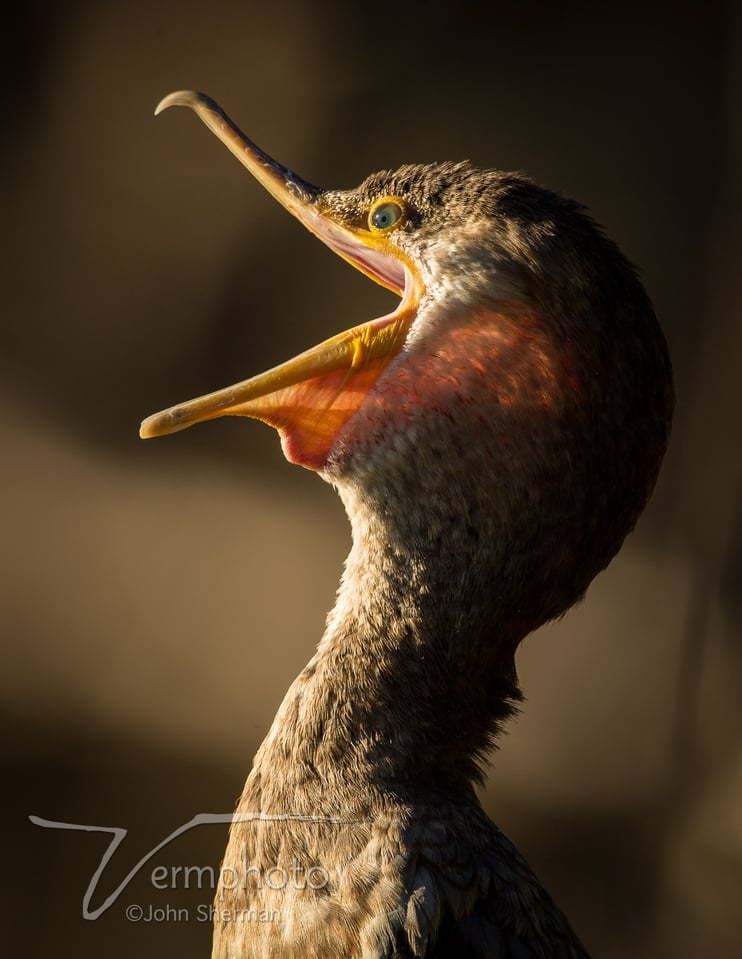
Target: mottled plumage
x,y
489,472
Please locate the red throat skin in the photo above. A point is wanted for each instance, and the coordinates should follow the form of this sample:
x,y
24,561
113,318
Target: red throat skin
x,y
496,359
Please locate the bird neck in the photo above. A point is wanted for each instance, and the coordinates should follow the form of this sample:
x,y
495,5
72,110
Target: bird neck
x,y
409,683
474,489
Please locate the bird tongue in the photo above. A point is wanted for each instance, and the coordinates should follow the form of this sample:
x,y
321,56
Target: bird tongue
x,y
309,398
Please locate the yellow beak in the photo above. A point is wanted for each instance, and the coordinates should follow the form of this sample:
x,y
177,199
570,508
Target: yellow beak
x,y
309,398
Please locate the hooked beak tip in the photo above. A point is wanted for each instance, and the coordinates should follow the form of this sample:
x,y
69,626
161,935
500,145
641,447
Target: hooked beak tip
x,y
185,98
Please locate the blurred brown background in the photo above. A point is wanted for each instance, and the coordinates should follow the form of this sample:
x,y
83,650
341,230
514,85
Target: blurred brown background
x,y
158,598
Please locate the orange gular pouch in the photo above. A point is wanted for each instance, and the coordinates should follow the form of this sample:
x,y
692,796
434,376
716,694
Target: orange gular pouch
x,y
310,415
307,399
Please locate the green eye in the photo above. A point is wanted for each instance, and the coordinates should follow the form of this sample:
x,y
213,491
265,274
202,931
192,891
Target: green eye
x,y
385,215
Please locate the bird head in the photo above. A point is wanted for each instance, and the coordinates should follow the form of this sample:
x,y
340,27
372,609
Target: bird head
x,y
523,376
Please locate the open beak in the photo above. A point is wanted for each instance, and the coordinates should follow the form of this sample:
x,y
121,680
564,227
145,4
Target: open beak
x,y
309,398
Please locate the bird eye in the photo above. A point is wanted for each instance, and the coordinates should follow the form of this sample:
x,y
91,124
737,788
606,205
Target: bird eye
x,y
385,215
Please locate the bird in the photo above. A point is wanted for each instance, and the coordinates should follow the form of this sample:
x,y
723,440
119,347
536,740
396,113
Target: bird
x,y
493,440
